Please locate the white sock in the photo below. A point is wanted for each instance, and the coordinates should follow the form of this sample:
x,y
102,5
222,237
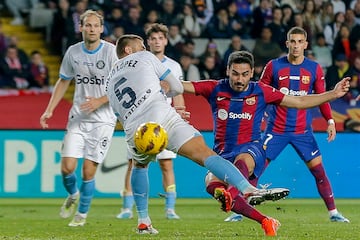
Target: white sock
x,y
333,212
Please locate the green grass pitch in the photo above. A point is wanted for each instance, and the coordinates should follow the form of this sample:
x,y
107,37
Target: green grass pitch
x,y
200,219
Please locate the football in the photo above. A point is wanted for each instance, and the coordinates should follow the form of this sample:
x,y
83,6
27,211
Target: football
x,y
150,138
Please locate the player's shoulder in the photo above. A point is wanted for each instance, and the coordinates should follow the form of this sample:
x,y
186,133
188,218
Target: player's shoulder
x,y
75,47
308,61
144,55
280,60
170,62
108,44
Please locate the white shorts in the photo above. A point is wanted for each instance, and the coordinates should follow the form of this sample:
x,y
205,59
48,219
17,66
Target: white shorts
x,y
165,154
87,140
179,132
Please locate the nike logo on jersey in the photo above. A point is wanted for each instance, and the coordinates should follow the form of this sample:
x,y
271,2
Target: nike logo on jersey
x,y
106,169
314,152
220,98
282,78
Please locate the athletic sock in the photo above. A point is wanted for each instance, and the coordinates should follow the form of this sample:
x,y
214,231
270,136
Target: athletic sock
x,y
170,197
69,182
227,172
241,206
86,194
241,165
128,201
140,187
210,188
323,186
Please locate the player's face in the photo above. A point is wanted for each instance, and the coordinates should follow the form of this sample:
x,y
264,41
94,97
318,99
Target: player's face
x,y
157,42
91,29
240,75
296,45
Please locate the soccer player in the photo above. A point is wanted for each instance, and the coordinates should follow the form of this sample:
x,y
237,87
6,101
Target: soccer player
x,y
238,106
295,74
157,40
135,94
91,120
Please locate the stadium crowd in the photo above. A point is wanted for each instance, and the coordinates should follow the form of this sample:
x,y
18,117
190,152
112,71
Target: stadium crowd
x,y
332,26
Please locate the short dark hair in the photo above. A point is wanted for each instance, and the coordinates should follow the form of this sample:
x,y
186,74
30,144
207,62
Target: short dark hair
x,y
124,41
296,30
241,57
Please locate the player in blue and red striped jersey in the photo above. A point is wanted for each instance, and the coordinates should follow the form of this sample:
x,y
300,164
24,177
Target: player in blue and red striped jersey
x,y
296,75
238,107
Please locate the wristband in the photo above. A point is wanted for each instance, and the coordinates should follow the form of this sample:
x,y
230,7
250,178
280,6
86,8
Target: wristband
x,y
331,121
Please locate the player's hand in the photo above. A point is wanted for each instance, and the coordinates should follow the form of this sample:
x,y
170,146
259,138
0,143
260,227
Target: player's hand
x,y
90,105
165,86
181,110
342,87
331,131
44,118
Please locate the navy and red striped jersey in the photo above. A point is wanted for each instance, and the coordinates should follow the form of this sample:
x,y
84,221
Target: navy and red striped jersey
x,y
296,80
237,115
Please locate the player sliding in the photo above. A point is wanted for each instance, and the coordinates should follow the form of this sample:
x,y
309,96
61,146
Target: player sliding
x,y
136,96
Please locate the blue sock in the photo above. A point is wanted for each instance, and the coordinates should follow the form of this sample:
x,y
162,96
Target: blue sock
x,y
140,187
170,200
69,182
227,172
128,201
86,194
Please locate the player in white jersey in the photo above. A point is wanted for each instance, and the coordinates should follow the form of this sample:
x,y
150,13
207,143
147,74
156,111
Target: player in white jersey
x,y
157,40
135,94
91,120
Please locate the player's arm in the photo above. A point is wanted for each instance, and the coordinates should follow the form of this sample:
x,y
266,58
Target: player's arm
x,y
58,93
313,100
325,109
179,105
175,87
91,103
188,87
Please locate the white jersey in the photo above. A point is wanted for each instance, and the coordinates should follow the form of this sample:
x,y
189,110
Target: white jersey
x,y
133,85
175,70
134,92
89,69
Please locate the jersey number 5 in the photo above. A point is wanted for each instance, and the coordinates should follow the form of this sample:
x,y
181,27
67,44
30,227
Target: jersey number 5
x,y
120,93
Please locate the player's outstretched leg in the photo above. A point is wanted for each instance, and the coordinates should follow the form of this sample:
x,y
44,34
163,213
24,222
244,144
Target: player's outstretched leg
x,y
273,194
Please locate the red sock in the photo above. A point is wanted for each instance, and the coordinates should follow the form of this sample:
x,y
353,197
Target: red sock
x,y
241,165
323,186
210,188
241,206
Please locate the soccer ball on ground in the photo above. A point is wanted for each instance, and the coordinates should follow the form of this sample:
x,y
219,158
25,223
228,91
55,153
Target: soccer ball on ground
x,y
150,138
